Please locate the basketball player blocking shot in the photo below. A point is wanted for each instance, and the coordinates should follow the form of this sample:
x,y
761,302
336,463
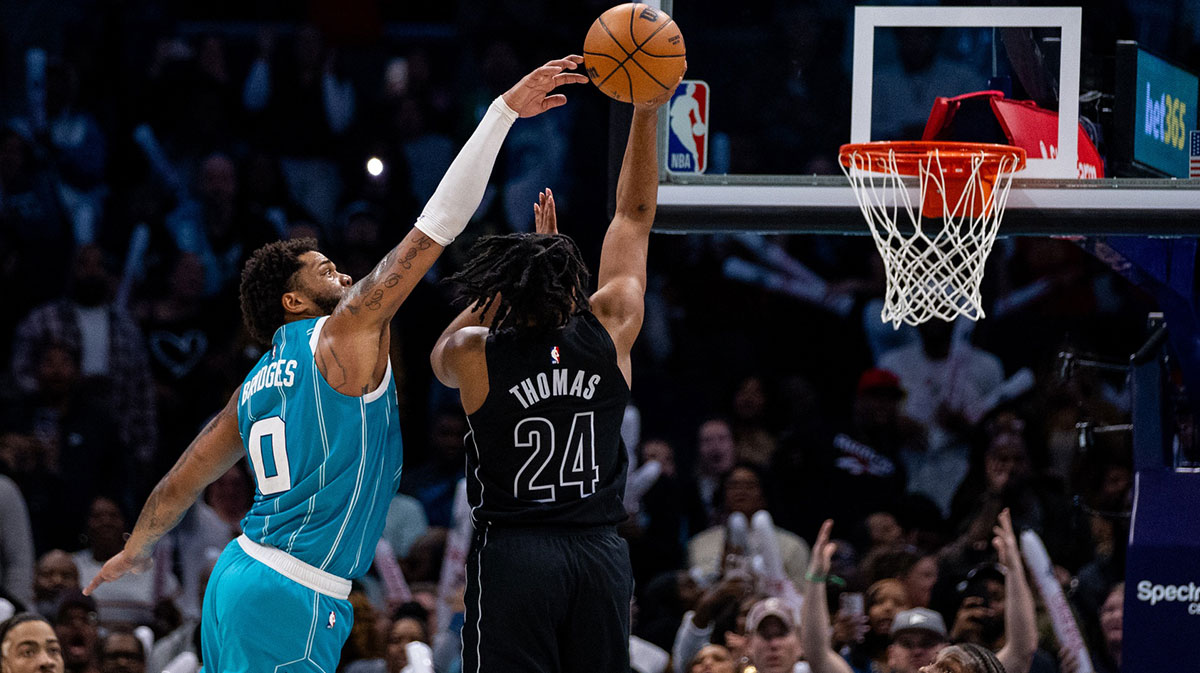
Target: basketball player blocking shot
x,y
318,419
543,372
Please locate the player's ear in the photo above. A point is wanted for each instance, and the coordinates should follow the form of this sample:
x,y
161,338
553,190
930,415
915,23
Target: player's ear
x,y
294,302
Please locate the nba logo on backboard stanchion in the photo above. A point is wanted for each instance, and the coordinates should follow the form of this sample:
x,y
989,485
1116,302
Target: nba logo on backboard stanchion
x,y
687,134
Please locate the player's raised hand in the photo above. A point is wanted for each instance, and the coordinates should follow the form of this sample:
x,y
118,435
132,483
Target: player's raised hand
x,y
544,218
116,567
665,96
531,96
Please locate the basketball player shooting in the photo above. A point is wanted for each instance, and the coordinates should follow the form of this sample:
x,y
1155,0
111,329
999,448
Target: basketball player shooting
x,y
317,417
543,373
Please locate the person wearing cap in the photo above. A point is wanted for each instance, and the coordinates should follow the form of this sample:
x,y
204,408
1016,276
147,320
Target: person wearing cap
x,y
917,636
773,645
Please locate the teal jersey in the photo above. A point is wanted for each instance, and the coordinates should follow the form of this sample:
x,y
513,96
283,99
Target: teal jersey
x,y
326,465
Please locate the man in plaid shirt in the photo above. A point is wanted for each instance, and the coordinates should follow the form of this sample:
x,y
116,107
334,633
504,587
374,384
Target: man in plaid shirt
x,y
109,344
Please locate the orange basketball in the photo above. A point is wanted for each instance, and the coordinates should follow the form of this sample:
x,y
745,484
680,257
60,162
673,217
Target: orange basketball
x,y
634,52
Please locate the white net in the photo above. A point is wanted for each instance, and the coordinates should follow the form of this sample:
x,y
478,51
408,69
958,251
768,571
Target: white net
x,y
934,264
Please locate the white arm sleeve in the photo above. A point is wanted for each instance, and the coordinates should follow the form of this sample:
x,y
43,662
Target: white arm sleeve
x,y
461,189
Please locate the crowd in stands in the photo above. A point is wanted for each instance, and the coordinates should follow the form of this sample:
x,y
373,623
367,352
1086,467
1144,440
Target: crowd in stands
x,y
141,164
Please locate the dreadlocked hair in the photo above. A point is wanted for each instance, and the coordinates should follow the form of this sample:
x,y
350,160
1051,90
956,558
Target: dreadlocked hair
x,y
267,275
530,281
980,659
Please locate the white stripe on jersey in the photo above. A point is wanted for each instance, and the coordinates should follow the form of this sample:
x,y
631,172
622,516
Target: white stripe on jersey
x,y
324,445
479,604
362,465
374,496
387,409
282,415
471,434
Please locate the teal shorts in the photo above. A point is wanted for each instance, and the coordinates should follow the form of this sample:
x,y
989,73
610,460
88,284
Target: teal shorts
x,y
255,619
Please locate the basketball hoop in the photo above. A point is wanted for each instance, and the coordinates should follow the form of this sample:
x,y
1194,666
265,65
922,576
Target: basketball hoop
x,y
933,255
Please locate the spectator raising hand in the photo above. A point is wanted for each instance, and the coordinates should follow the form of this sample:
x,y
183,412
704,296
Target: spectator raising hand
x,y
814,618
1020,628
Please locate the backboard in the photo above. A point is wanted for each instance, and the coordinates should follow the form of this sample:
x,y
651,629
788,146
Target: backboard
x,y
787,87
787,84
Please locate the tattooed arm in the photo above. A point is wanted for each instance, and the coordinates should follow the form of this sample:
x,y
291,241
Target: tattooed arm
x,y
217,448
352,351
353,347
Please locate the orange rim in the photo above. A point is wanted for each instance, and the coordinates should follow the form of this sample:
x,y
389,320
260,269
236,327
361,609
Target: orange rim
x,y
910,153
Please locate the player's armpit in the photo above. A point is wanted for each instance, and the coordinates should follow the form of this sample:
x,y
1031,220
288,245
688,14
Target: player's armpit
x,y
460,361
620,305
353,347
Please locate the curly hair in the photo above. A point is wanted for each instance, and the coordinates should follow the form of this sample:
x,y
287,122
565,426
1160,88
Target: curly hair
x,y
269,273
532,281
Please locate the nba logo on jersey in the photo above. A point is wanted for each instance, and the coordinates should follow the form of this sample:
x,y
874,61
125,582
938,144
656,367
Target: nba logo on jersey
x,y
687,136
554,355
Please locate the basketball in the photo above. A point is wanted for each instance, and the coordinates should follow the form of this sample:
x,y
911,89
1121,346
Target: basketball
x,y
634,52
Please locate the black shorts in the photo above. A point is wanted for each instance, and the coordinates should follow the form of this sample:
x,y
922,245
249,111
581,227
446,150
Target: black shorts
x,y
547,600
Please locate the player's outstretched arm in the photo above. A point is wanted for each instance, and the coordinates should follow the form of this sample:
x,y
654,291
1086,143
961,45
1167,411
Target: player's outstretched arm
x,y
350,346
216,449
619,302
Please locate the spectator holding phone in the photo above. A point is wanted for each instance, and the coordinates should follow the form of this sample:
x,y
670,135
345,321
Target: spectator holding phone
x,y
997,607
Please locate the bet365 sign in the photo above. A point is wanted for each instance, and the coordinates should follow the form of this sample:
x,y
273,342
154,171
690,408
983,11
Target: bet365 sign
x,y
1166,111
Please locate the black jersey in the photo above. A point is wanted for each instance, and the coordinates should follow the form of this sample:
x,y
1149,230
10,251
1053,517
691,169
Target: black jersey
x,y
545,448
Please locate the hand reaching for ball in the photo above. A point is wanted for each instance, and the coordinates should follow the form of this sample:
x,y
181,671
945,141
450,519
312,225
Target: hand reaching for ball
x,y
664,97
531,96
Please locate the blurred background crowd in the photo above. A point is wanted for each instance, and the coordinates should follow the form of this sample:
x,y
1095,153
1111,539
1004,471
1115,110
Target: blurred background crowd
x,y
147,149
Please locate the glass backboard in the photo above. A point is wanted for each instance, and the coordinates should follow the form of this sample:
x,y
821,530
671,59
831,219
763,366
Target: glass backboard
x,y
783,87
